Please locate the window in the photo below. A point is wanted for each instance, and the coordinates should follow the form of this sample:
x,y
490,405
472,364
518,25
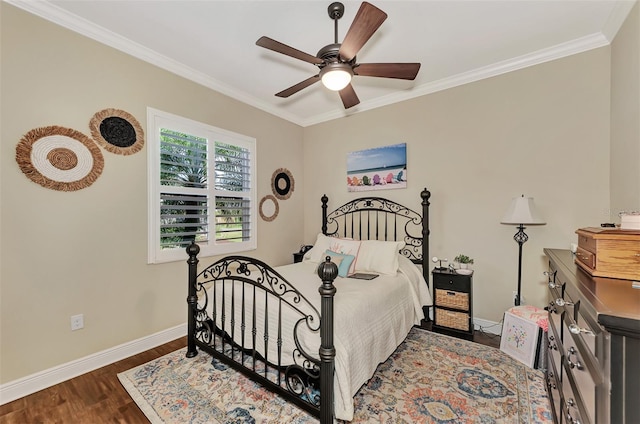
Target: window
x,y
201,188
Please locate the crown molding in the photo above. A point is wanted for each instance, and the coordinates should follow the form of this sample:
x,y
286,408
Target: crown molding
x,y
88,29
579,45
616,18
61,17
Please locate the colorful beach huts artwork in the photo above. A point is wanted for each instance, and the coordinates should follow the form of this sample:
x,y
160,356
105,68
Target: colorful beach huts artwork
x,y
380,168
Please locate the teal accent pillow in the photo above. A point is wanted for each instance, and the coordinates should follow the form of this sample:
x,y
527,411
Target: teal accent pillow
x,y
342,261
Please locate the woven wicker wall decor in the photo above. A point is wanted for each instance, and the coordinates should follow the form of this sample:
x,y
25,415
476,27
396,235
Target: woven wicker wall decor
x,y
117,131
268,208
282,183
59,158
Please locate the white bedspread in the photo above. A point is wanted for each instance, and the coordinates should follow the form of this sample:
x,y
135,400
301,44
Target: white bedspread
x,y
371,319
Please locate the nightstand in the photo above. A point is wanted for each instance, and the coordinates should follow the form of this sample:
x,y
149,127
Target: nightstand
x,y
297,257
452,303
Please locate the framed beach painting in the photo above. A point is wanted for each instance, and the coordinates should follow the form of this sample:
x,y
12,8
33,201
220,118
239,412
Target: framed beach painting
x,y
380,168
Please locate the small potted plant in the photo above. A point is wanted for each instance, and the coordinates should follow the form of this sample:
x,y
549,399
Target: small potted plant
x,y
463,261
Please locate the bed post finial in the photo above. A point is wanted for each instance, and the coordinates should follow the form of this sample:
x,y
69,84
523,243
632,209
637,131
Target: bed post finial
x,y
324,200
327,271
425,195
192,299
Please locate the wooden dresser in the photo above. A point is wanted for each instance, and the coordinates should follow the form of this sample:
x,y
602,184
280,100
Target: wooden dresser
x,y
593,369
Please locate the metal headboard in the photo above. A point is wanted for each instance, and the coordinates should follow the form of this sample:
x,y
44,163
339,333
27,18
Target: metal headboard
x,y
376,218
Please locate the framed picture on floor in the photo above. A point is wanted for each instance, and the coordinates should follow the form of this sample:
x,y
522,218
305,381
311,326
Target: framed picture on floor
x,y
520,339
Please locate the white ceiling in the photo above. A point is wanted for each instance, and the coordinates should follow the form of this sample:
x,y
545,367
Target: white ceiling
x,y
213,42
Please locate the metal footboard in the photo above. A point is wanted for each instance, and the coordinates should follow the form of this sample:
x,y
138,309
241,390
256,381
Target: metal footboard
x,y
232,307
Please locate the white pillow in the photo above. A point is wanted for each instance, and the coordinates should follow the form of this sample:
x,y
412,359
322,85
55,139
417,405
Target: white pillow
x,y
316,253
335,244
378,256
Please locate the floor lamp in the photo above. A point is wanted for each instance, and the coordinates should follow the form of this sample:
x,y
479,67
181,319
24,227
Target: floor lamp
x,y
521,212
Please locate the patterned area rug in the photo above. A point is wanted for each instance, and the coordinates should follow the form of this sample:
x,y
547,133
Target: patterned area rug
x,y
430,378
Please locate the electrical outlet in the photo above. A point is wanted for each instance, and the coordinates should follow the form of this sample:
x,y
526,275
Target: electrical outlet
x,y
77,322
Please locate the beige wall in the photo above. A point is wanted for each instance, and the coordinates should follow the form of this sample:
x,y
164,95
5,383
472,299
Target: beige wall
x,y
541,131
625,117
86,251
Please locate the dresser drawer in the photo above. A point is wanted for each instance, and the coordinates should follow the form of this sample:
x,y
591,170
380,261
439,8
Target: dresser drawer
x,y
586,258
459,283
554,346
587,242
553,389
452,319
583,377
452,299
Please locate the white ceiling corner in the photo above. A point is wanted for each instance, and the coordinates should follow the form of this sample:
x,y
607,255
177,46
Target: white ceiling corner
x,y
456,42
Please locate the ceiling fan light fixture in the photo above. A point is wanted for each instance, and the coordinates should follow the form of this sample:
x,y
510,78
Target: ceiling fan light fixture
x,y
336,76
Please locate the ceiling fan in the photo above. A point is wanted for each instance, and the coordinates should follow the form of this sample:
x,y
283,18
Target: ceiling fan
x,y
337,61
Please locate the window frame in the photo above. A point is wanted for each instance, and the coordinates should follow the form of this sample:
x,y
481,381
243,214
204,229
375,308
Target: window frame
x,y
157,119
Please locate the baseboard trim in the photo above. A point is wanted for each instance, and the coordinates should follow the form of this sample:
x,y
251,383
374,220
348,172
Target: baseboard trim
x,y
47,378
487,326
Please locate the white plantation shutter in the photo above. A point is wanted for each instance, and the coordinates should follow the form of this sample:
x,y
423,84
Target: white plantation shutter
x,y
201,186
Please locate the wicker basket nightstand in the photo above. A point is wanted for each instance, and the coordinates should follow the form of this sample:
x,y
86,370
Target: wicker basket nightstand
x,y
452,303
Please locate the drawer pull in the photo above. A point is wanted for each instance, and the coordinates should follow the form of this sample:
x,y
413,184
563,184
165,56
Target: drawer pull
x,y
551,308
552,284
570,419
577,364
574,329
561,302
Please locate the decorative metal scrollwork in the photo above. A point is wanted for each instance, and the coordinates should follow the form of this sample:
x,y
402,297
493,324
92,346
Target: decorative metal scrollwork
x,y
301,377
304,383
376,218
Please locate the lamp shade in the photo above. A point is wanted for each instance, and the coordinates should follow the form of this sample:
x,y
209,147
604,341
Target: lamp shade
x,y
336,76
522,211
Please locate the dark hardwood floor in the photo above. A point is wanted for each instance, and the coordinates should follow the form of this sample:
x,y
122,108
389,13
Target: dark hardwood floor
x,y
92,398
98,397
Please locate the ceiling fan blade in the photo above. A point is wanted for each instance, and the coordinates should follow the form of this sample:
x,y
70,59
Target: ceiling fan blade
x,y
299,86
367,21
349,97
276,46
406,71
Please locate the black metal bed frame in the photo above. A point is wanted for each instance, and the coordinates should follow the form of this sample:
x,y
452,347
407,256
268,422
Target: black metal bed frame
x,y
309,377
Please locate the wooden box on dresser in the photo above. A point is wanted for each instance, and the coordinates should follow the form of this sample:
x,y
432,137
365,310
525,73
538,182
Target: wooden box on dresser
x,y
593,369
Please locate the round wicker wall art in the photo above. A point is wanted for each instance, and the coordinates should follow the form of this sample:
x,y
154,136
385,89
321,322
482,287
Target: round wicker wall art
x,y
117,131
282,183
268,208
59,158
